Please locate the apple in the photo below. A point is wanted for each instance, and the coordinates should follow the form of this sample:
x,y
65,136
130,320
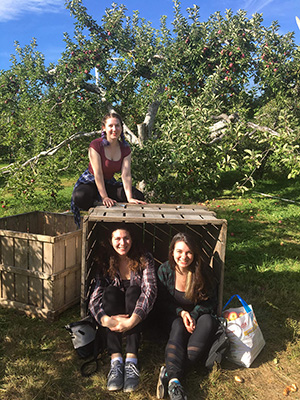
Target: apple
x,y
241,314
232,316
225,314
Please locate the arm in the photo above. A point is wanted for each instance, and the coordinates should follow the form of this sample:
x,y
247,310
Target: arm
x,y
127,180
148,294
95,160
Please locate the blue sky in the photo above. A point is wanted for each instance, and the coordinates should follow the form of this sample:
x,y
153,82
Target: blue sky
x,y
47,20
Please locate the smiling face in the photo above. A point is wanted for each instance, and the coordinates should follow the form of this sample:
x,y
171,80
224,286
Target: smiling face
x,y
183,255
121,242
113,129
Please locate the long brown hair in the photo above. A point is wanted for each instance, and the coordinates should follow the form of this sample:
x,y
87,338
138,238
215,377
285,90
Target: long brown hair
x,y
198,282
136,255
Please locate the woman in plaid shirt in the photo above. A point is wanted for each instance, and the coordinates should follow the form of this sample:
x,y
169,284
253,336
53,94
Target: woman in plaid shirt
x,y
187,300
123,296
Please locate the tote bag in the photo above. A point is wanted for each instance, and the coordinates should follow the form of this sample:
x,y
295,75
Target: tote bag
x,y
245,337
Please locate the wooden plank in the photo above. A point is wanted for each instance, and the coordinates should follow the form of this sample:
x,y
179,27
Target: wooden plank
x,y
35,251
70,251
59,257
25,272
7,250
35,222
8,285
13,234
48,256
35,292
48,293
58,293
21,288
21,253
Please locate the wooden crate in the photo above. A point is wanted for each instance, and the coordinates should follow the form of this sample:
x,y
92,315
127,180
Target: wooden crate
x,y
40,262
156,224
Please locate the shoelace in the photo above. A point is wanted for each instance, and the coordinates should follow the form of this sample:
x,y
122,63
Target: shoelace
x,y
178,390
131,370
116,369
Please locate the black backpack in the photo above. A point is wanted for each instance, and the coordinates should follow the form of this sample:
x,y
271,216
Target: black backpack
x,y
219,347
88,339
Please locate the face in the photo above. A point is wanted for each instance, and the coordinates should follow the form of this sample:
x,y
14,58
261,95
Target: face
x,y
113,128
183,255
121,241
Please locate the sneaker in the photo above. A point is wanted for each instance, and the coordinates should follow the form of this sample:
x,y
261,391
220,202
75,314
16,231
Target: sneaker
x,y
115,378
131,378
162,384
176,391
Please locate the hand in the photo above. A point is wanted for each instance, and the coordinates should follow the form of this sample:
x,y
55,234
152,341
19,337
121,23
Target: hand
x,y
108,202
136,201
188,321
108,322
123,323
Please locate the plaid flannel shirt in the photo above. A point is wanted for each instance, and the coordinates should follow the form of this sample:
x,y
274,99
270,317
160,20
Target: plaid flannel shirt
x,y
144,278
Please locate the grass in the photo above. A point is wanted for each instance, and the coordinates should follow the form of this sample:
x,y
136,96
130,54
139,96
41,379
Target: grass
x,y
262,265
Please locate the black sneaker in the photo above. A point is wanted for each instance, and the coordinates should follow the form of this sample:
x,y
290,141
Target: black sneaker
x,y
131,378
176,391
115,378
162,384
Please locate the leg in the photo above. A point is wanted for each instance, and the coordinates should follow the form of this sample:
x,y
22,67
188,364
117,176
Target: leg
x,y
114,304
84,195
201,339
175,353
131,372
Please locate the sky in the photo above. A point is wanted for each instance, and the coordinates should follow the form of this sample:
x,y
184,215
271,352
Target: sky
x,y
47,20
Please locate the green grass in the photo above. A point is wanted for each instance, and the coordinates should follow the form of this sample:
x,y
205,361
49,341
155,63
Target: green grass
x,y
262,265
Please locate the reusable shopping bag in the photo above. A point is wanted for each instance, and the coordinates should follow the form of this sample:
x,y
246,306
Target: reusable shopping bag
x,y
245,337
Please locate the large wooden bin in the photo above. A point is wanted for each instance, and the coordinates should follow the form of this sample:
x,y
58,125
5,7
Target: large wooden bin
x,y
40,261
155,224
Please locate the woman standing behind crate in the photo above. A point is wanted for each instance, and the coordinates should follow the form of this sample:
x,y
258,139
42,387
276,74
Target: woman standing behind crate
x,y
108,155
123,296
186,301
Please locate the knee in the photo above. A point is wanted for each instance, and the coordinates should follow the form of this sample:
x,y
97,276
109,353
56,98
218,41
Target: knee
x,y
113,301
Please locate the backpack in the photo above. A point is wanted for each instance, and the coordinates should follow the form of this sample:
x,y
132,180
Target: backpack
x,y
219,347
88,339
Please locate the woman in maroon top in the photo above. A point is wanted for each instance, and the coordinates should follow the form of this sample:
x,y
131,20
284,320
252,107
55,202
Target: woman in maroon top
x,y
108,155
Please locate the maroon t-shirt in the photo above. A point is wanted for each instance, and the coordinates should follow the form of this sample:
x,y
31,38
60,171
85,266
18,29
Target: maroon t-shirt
x,y
109,167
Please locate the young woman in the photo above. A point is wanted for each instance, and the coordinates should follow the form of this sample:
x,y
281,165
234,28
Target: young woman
x,y
187,300
108,155
124,294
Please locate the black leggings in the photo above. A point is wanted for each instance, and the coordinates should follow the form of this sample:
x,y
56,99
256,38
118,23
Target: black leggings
x,y
116,302
184,348
86,194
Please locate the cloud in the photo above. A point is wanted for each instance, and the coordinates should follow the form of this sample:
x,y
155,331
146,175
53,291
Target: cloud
x,y
256,6
14,9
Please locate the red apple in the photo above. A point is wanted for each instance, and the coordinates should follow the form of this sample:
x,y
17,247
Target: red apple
x,y
225,314
232,316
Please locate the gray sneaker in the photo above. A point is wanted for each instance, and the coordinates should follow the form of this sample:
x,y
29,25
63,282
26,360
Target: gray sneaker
x,y
176,391
162,384
115,378
131,378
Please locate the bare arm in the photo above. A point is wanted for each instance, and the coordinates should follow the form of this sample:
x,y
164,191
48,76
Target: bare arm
x,y
95,160
127,180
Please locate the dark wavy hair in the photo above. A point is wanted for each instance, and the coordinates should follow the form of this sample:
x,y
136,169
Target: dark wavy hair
x,y
199,279
136,255
103,133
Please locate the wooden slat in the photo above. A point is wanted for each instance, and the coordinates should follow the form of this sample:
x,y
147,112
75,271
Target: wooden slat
x,y
35,291
21,253
7,250
8,285
35,255
21,288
